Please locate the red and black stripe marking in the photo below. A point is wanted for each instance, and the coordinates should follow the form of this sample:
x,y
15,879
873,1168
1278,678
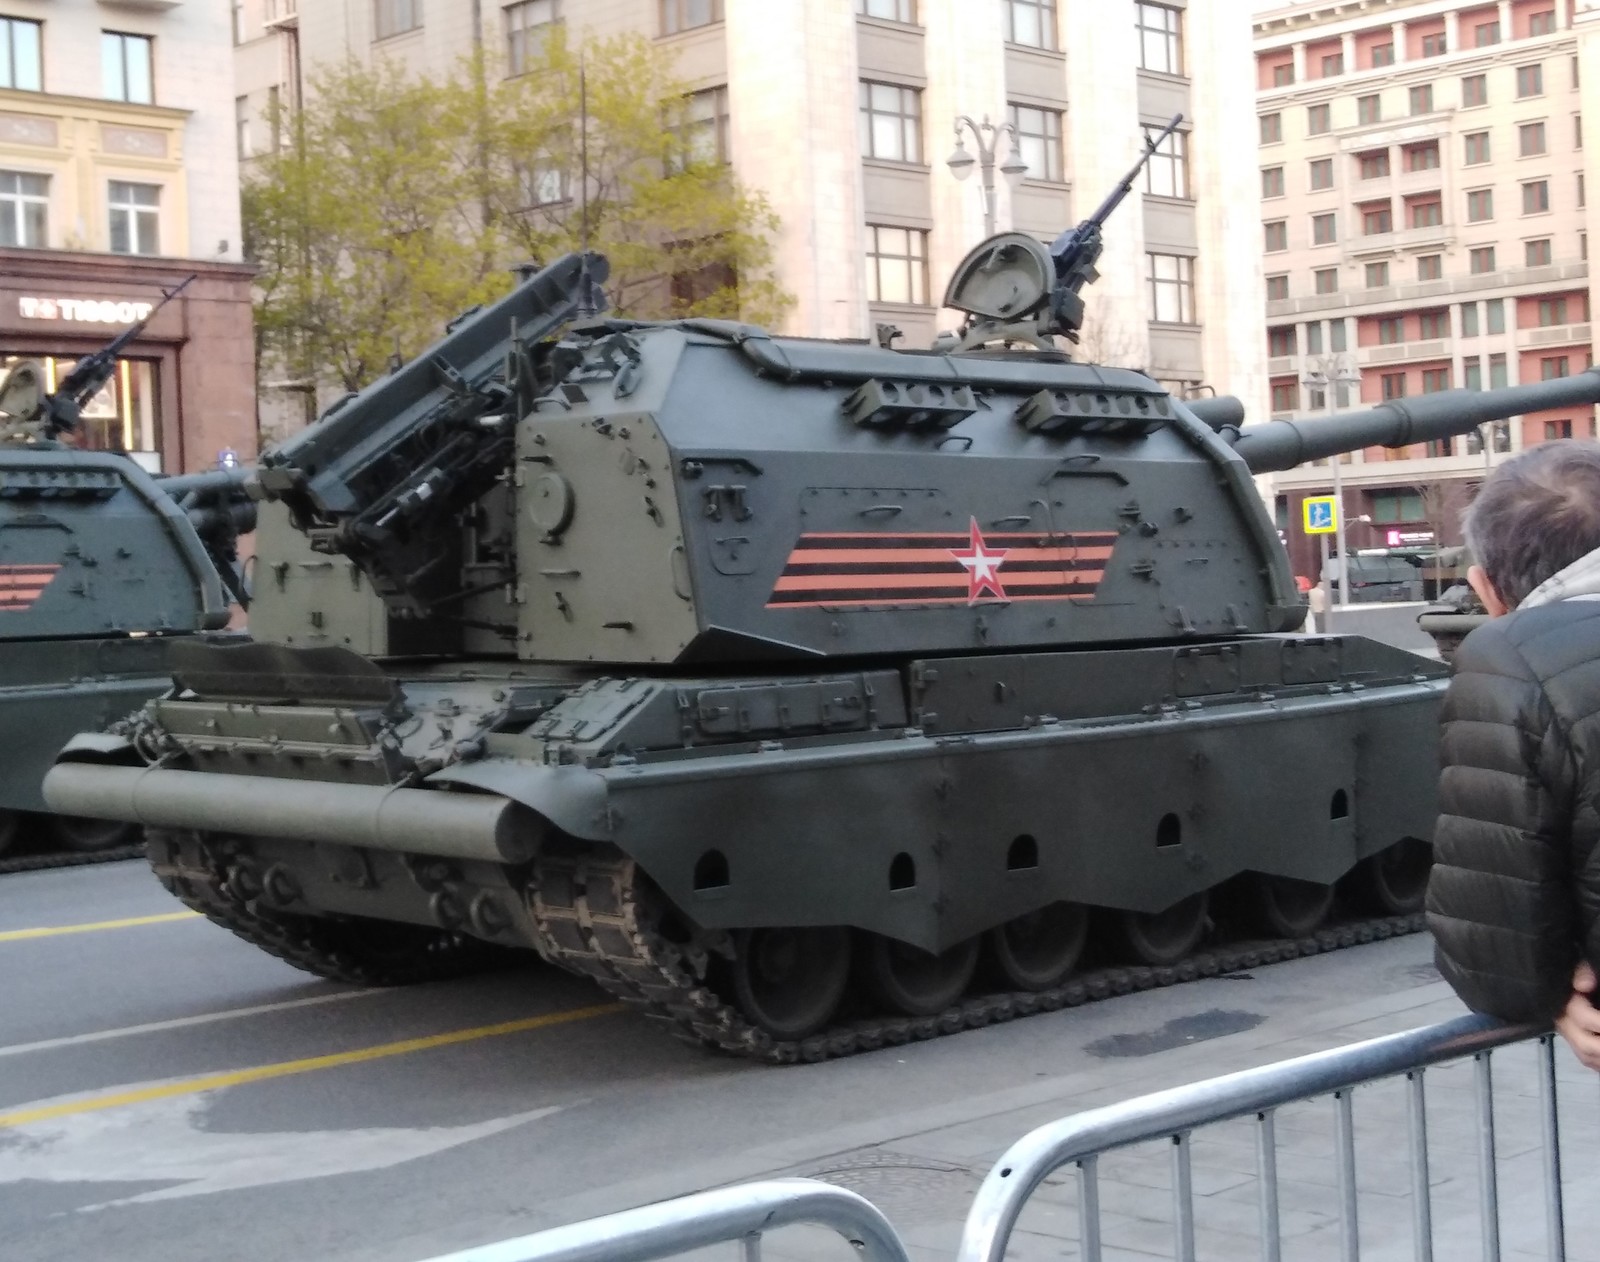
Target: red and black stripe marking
x,y
21,585
870,568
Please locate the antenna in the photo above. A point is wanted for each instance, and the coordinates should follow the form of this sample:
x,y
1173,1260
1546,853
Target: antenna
x,y
585,300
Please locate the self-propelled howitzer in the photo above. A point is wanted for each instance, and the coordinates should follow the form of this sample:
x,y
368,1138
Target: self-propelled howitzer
x,y
810,695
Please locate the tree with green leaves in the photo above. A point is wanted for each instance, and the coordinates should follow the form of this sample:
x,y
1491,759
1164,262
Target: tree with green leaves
x,y
396,202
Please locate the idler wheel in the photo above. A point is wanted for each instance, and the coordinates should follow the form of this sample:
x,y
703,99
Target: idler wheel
x,y
1394,882
1285,907
1039,950
10,826
1161,938
914,982
85,836
790,981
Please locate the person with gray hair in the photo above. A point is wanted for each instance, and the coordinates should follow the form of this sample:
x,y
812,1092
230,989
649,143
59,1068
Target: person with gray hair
x,y
1514,899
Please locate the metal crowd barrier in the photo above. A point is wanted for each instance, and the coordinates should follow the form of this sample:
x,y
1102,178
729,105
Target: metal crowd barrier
x,y
1081,1139
740,1213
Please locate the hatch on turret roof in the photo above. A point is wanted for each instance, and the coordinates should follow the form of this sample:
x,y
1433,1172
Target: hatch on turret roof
x,y
1007,277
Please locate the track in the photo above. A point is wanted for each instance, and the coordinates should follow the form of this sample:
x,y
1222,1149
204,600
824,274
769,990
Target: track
x,y
69,859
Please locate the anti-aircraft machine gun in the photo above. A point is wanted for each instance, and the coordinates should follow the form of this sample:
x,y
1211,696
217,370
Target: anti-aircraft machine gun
x,y
101,565
778,684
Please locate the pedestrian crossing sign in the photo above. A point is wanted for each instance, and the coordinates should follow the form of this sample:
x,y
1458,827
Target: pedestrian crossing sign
x,y
1320,514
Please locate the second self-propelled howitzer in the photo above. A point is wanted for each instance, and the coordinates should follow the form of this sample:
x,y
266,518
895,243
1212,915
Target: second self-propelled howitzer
x,y
809,695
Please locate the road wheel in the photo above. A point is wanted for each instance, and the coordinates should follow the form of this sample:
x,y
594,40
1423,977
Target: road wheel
x,y
790,981
914,982
1039,950
76,833
1394,882
1161,938
1284,907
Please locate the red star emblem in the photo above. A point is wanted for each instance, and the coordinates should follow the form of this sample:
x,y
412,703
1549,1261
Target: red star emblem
x,y
982,564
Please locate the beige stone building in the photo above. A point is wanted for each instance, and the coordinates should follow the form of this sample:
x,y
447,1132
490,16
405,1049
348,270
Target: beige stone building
x,y
117,180
1426,225
843,113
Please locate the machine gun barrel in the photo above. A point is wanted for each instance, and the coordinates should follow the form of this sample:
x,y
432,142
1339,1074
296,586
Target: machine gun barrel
x,y
1114,198
1278,445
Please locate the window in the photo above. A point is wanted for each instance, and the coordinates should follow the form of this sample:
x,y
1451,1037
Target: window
x,y
1377,275
1375,219
275,117
1321,173
1271,128
1435,380
1280,341
1277,233
1374,165
1553,366
24,209
1285,396
1394,385
904,11
686,15
1542,23
135,218
1480,205
897,265
1318,120
1434,45
1474,90
1390,507
1530,139
1277,288
1038,140
1160,28
1430,266
1497,372
1530,80
1472,375
21,66
241,125
526,24
238,21
1272,182
1582,199
1369,109
1431,324
1283,76
1485,34
1537,253
546,185
1429,214
395,17
1577,131
1494,311
1423,157
1167,172
891,122
1382,55
1336,335
1422,98
1475,148
1171,288
1391,330
1552,311
1557,429
1322,229
1481,259
1314,338
1031,22
125,64
1535,197
1326,280
1332,64
703,128
1469,319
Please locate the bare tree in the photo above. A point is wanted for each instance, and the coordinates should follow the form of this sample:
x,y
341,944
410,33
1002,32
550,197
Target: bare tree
x,y
1107,340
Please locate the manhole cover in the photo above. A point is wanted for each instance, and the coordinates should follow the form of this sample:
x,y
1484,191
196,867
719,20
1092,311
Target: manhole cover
x,y
900,1184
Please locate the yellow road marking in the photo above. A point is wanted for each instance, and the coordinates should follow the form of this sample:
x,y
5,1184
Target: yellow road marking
x,y
283,1069
19,935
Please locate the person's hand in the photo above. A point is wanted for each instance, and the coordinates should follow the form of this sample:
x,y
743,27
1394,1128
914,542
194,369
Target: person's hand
x,y
1579,1022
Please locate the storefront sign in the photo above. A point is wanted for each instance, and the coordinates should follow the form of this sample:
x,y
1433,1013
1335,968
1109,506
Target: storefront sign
x,y
83,310
1406,538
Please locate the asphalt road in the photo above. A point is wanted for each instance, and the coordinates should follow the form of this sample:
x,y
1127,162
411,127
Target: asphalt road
x,y
169,1093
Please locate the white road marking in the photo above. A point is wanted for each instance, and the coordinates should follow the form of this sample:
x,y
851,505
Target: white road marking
x,y
179,1023
166,1140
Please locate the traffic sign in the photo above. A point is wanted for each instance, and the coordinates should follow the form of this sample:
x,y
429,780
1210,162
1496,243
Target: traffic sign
x,y
1321,514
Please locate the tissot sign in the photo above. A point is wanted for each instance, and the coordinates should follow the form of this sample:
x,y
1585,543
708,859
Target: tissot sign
x,y
82,310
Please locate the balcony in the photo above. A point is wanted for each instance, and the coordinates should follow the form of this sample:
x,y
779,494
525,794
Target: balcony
x,y
1554,335
1478,286
141,6
1433,238
1402,352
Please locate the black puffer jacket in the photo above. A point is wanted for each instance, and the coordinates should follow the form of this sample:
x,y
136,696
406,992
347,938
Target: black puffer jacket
x,y
1514,899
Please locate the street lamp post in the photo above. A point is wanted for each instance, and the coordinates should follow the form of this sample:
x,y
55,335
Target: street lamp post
x,y
987,137
1334,373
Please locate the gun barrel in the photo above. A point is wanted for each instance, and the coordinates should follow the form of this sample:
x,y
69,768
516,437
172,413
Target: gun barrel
x,y
180,485
1225,411
1279,445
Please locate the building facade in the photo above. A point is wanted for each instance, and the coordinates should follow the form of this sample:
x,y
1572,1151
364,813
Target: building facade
x,y
117,181
844,111
1425,224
